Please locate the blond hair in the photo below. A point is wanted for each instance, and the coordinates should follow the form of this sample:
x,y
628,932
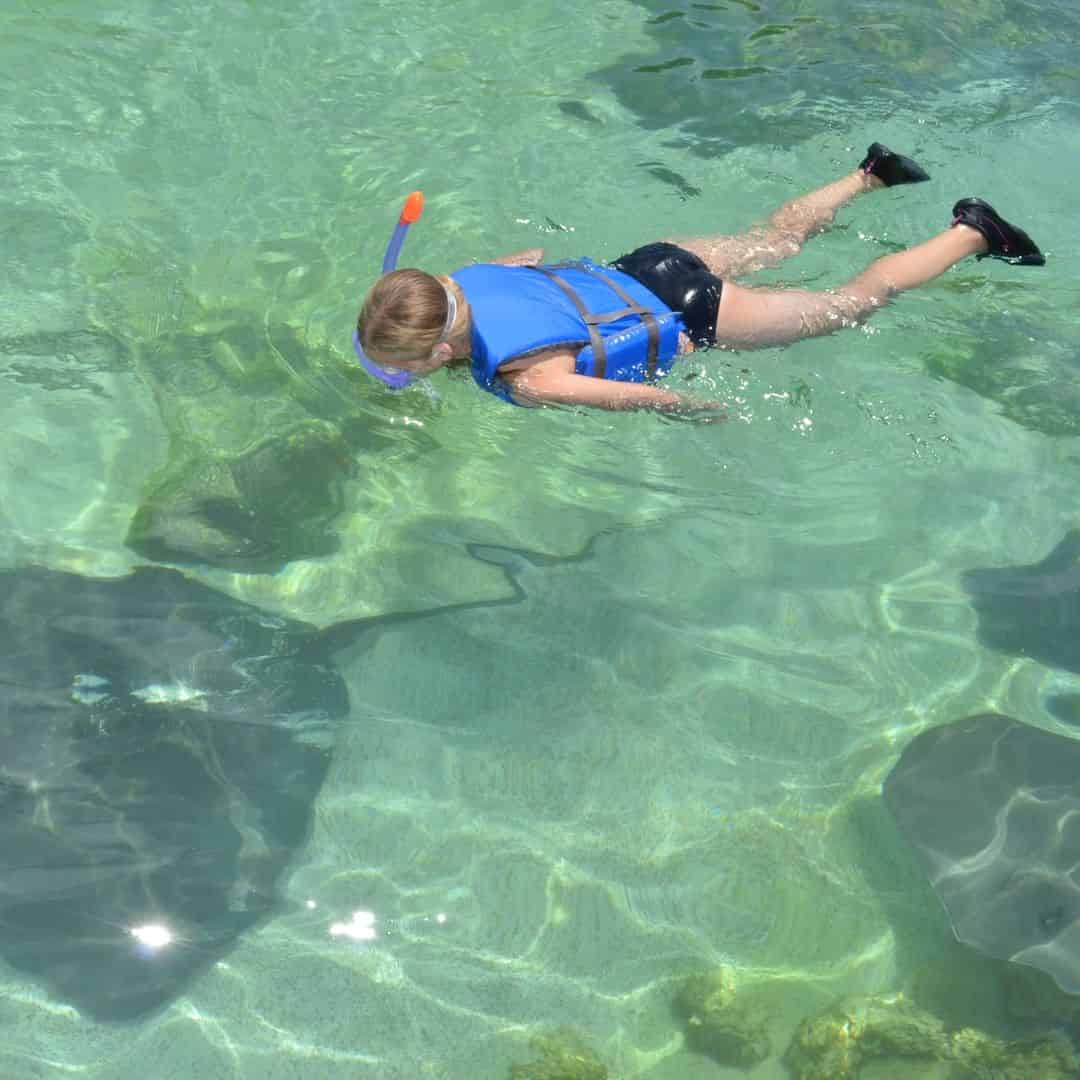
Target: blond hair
x,y
405,313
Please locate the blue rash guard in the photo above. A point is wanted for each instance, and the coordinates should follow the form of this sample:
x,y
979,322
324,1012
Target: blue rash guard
x,y
628,333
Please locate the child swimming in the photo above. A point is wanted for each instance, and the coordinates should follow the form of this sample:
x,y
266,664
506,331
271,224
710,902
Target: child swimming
x,y
580,333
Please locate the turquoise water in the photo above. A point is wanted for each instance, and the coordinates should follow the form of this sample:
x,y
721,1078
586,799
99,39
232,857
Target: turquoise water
x,y
666,753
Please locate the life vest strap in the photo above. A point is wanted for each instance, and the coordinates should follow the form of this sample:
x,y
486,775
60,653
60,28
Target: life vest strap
x,y
592,320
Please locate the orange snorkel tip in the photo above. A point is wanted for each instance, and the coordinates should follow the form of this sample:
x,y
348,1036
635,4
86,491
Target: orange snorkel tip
x,y
413,208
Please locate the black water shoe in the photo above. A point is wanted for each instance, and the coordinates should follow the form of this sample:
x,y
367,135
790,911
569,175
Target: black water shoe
x,y
1006,241
891,168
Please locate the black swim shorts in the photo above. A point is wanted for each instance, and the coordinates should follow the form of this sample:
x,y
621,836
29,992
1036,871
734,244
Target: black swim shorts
x,y
682,281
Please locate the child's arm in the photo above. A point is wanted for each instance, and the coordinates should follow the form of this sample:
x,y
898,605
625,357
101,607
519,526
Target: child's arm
x,y
549,383
528,257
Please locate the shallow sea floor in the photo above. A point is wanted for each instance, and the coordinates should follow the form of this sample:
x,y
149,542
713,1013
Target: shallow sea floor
x,y
663,752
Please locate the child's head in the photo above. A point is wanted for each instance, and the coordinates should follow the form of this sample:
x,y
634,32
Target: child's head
x,y
406,321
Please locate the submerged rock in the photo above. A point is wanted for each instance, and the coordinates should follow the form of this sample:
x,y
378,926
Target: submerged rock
x,y
563,1055
719,1024
835,1044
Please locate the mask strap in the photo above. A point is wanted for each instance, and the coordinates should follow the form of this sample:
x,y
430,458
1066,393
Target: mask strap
x,y
451,314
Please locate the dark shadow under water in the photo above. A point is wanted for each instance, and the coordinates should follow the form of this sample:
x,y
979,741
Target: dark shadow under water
x,y
1034,610
162,748
990,806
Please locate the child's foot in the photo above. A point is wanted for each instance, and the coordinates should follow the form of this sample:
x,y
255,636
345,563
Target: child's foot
x,y
1005,241
890,168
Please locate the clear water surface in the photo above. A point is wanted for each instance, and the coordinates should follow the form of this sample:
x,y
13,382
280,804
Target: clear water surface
x,y
666,754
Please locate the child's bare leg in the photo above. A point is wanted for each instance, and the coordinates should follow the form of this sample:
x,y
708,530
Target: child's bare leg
x,y
783,234
757,318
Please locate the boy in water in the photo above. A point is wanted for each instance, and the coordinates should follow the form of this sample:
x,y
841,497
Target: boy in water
x,y
583,334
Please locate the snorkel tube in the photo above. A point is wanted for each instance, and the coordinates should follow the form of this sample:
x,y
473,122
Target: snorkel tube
x,y
394,378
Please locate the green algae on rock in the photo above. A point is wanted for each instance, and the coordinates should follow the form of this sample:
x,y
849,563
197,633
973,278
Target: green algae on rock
x,y
837,1043
563,1055
720,1025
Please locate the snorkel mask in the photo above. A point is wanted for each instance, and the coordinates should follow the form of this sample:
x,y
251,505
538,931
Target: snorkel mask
x,y
392,377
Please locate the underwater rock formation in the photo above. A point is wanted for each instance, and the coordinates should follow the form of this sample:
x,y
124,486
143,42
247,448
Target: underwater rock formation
x,y
838,1042
719,1024
563,1055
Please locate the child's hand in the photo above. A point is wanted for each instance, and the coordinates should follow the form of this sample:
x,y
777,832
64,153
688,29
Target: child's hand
x,y
700,412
